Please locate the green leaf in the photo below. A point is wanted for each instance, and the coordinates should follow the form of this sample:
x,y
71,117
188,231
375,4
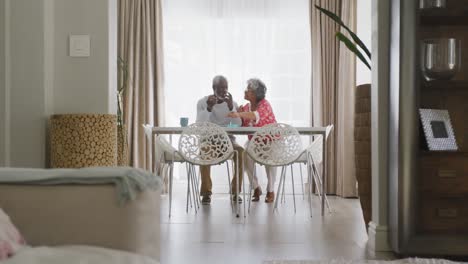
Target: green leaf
x,y
123,75
123,69
338,20
352,47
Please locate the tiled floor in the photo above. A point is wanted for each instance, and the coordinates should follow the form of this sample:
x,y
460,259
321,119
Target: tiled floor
x,y
215,235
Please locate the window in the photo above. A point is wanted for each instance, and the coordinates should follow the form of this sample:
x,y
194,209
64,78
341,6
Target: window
x,y
239,39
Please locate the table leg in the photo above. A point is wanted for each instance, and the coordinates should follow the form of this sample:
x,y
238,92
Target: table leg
x,y
151,158
324,175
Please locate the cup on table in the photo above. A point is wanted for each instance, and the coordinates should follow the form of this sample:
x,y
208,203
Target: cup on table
x,y
232,125
184,121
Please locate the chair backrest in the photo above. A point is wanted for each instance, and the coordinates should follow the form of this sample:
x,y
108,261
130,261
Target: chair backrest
x,y
316,148
148,131
329,129
275,145
164,150
205,143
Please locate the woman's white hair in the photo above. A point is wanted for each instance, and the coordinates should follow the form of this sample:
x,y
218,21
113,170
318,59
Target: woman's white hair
x,y
258,86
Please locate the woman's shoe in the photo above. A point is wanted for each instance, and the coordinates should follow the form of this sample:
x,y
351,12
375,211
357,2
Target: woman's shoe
x,y
206,199
256,194
270,197
235,198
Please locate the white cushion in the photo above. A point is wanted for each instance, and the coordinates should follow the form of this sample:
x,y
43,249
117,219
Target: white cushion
x,y
168,150
315,149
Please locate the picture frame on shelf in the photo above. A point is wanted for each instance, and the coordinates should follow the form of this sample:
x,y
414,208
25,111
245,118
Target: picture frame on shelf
x,y
438,130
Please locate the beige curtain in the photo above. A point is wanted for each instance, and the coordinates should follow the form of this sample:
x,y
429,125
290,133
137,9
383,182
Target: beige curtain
x,y
140,45
333,84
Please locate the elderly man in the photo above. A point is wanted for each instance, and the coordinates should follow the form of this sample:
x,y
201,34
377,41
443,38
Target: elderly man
x,y
215,108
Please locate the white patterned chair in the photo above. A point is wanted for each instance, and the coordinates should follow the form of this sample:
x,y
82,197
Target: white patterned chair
x,y
205,143
312,156
162,158
276,145
166,156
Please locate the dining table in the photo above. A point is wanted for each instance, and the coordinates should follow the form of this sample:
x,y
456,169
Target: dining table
x,y
152,131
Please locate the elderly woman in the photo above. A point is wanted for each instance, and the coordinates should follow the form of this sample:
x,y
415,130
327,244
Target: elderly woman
x,y
257,113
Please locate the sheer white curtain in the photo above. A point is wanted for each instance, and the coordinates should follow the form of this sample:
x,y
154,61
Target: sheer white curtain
x,y
240,39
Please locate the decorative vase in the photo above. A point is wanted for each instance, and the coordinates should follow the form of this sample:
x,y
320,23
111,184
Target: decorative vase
x,y
362,145
83,140
122,146
440,58
424,4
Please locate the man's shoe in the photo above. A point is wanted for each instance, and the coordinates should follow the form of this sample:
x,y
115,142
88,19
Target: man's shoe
x,y
235,198
270,197
256,194
206,199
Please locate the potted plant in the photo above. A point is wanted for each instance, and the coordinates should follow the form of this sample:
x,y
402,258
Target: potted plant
x,y
122,144
362,119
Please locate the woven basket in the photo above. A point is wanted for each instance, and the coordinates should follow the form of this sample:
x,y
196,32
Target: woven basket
x,y
362,144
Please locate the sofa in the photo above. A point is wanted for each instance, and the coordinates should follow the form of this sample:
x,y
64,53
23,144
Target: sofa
x,y
84,214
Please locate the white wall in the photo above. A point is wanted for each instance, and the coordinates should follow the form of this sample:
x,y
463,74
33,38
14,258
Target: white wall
x,y
363,74
112,40
43,79
81,85
28,120
2,83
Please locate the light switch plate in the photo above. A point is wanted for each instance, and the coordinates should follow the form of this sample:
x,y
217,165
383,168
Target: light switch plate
x,y
79,46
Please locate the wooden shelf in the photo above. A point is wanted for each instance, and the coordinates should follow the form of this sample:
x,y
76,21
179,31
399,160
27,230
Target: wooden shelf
x,y
425,195
435,182
444,84
443,16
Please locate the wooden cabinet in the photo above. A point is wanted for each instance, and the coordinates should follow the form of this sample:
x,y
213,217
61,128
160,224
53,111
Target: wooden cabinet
x,y
454,14
442,177
443,214
444,174
428,207
443,193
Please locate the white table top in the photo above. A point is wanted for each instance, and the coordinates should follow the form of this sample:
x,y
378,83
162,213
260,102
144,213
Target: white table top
x,y
241,130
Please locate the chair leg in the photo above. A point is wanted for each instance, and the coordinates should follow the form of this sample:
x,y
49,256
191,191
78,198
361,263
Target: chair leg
x,y
161,168
251,185
188,189
171,175
279,187
197,184
310,185
283,198
319,184
302,181
294,194
326,200
243,187
229,177
194,188
237,188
